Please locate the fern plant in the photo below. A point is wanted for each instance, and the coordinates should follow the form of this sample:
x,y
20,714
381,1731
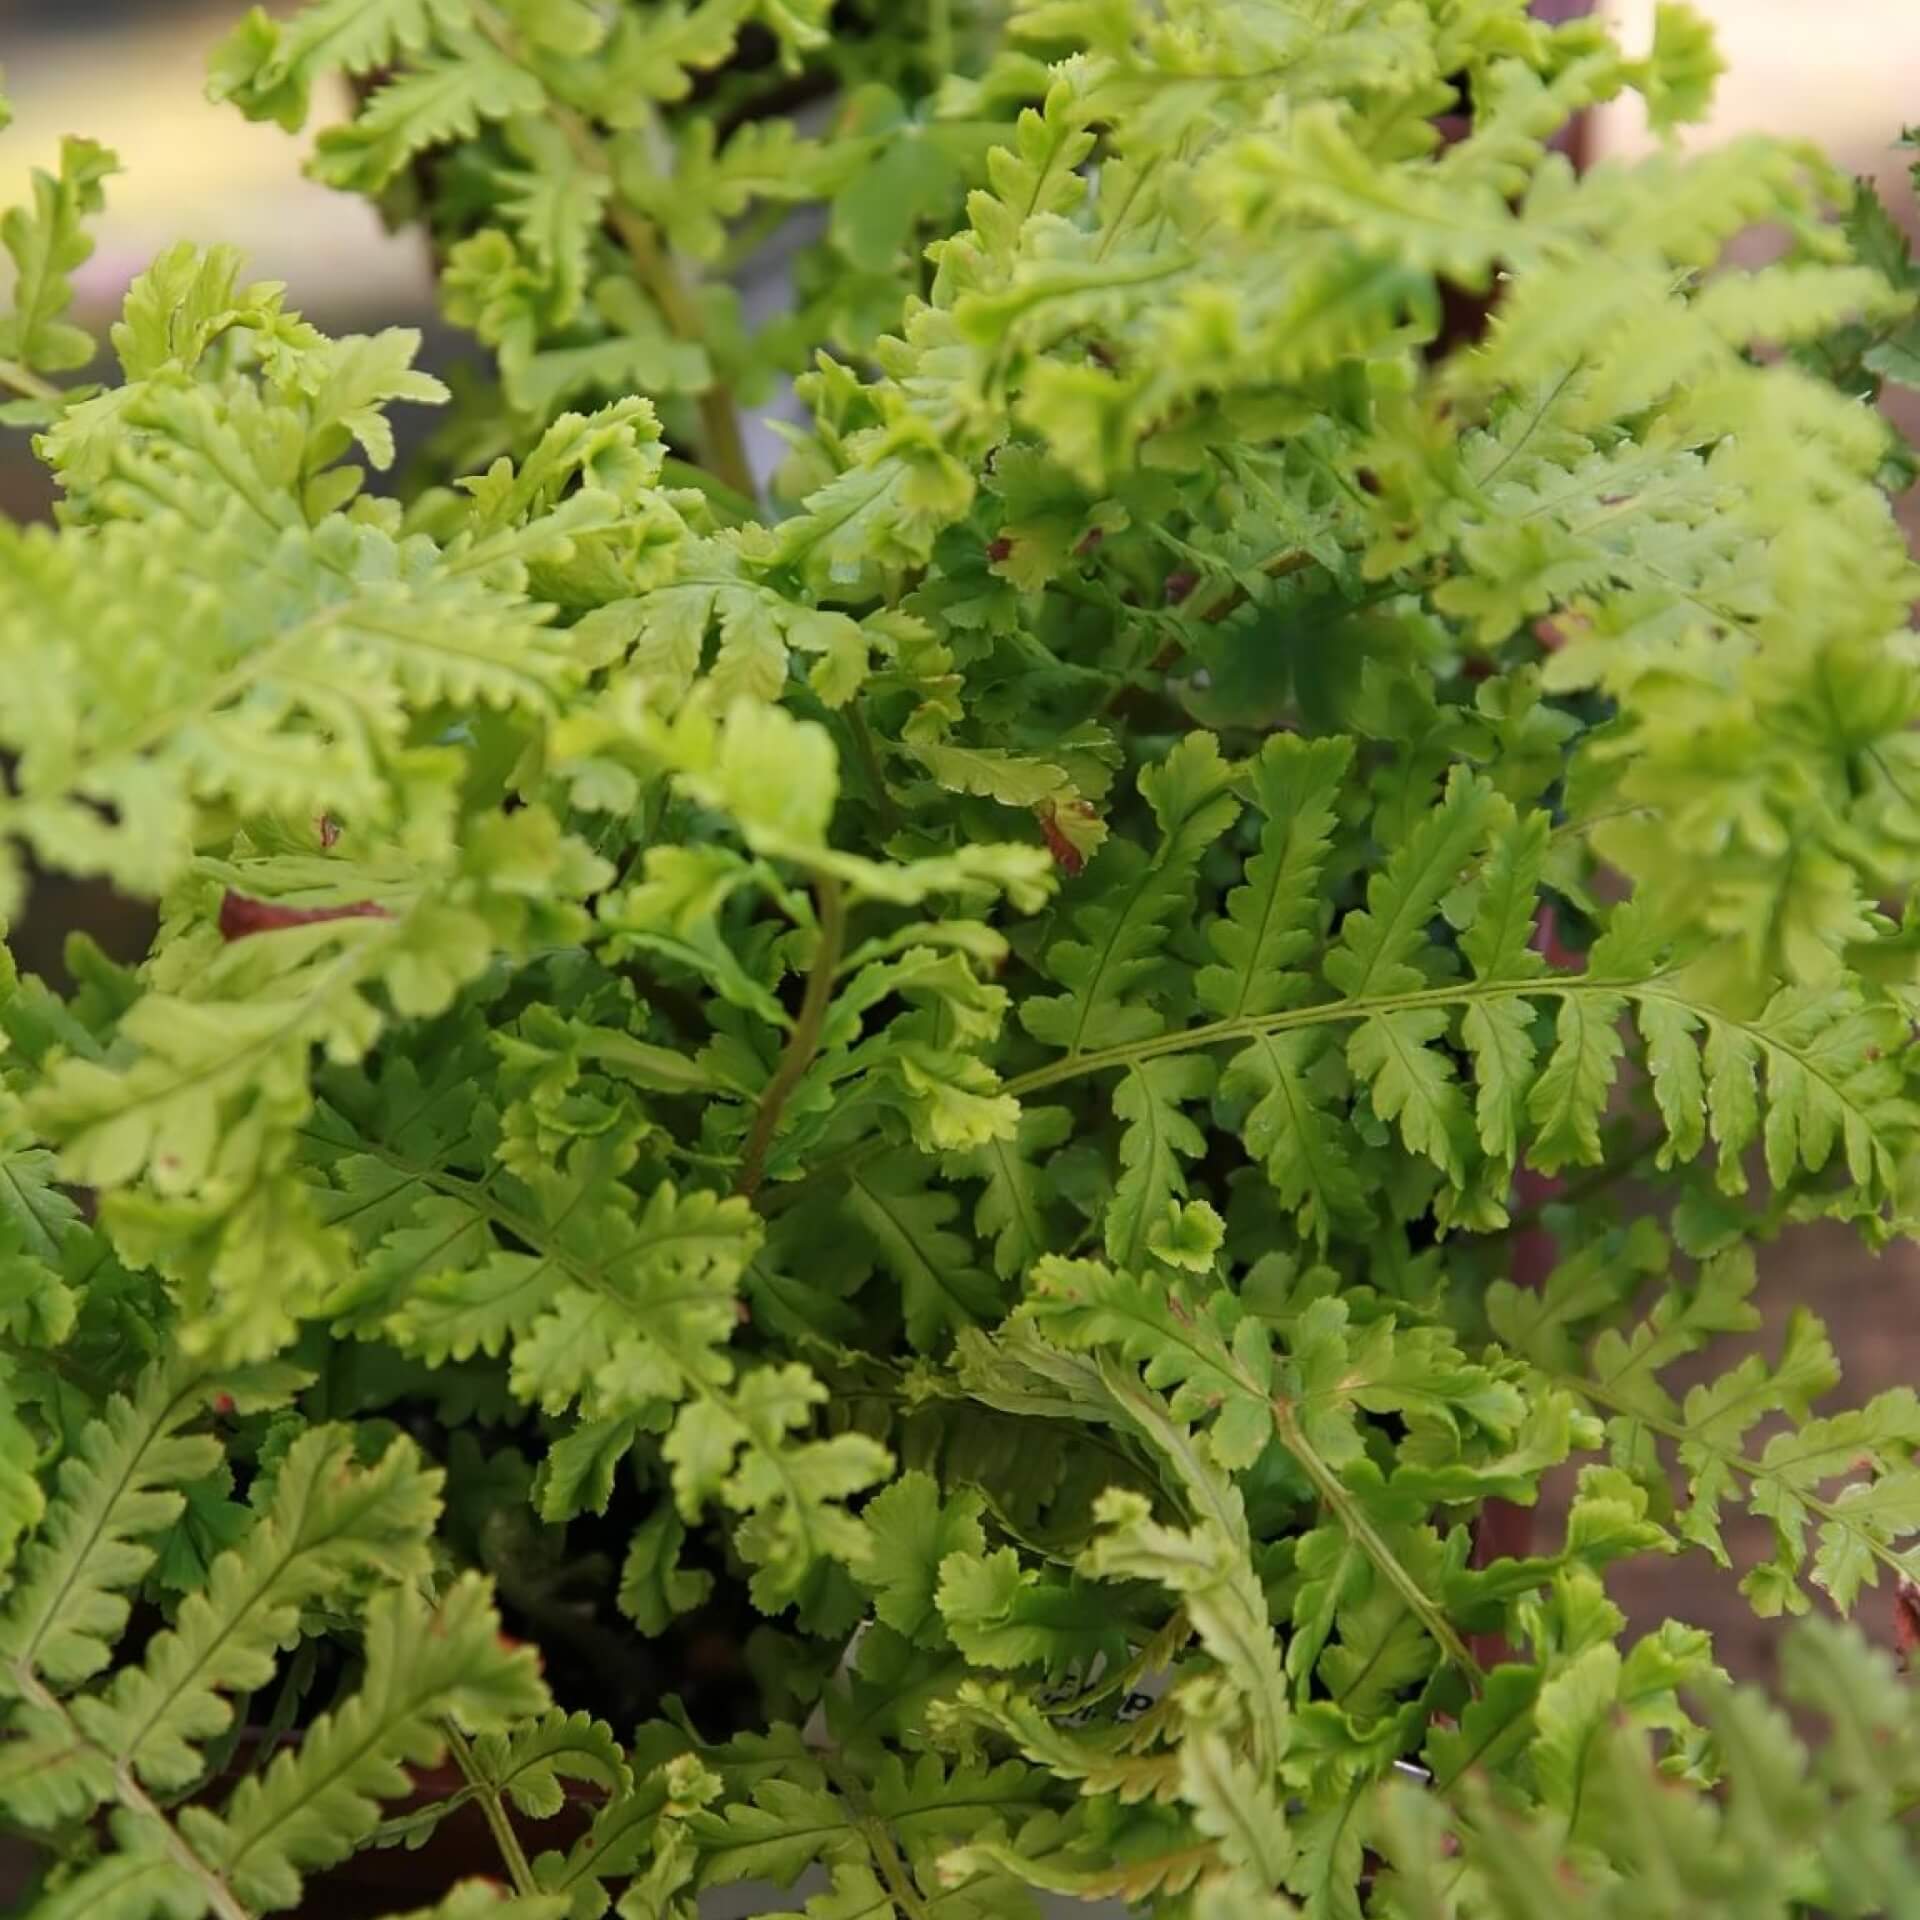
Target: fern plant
x,y
932,1076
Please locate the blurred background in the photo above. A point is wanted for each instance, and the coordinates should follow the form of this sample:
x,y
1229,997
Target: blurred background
x,y
1846,74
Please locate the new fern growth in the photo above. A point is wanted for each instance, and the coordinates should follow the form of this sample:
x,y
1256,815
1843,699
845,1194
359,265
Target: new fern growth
x,y
932,1073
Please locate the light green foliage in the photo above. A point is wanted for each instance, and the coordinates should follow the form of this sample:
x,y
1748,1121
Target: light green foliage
x,y
964,1067
46,242
351,1538
609,188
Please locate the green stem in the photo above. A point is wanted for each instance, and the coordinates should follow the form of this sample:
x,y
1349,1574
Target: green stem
x,y
1217,1033
862,737
1276,567
220,1898
23,380
488,1795
879,1842
1587,822
803,1041
1353,1518
1149,1414
725,450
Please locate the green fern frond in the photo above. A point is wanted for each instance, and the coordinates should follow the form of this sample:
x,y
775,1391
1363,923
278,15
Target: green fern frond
x,y
1001,1614
434,102
1290,1128
1317,172
530,1764
1834,1059
118,1488
1211,1574
1012,1209
269,69
302,652
1379,943
1127,918
46,244
627,1311
327,1525
738,1449
657,57
1789,1481
138,1879
426,1663
1273,916
909,1225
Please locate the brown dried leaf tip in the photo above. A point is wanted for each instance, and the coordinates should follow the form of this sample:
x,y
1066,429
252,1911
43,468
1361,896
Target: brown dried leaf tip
x,y
1068,857
1906,1620
241,916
